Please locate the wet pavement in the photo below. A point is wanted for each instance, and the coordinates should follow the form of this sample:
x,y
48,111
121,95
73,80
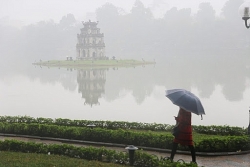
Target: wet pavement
x,y
232,160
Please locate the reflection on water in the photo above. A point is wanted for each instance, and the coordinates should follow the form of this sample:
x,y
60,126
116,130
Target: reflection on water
x,y
222,81
91,84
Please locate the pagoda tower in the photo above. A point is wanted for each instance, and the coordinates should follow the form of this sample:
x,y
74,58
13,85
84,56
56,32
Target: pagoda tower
x,y
90,43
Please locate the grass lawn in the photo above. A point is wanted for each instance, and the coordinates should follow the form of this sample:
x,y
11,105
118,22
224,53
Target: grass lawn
x,y
17,159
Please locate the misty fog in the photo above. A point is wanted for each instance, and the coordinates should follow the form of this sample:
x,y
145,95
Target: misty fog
x,y
134,34
208,39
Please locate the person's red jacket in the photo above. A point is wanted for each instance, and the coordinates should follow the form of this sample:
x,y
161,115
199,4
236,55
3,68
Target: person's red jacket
x,y
185,129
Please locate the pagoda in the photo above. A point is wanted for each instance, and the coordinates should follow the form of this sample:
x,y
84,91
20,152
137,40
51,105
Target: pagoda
x,y
90,44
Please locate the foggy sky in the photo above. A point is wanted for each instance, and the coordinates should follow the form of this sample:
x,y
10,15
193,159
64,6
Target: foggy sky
x,y
23,12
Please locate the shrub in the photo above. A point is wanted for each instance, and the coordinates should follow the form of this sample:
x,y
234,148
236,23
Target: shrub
x,y
141,159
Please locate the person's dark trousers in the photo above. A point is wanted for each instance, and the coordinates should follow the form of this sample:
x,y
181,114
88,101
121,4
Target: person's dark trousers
x,y
175,145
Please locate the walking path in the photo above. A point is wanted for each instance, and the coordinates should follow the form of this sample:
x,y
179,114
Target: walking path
x,y
232,159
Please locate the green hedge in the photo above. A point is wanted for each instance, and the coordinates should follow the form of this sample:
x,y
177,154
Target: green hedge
x,y
141,159
121,136
84,123
213,130
227,144
220,130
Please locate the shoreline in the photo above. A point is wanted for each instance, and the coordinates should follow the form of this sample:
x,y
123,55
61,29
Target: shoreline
x,y
93,63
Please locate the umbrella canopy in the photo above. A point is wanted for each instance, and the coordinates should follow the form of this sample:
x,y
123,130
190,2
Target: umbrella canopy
x,y
186,100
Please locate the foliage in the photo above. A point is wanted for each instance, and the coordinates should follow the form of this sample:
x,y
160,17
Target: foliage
x,y
229,144
150,36
214,138
14,159
141,159
83,123
114,125
220,130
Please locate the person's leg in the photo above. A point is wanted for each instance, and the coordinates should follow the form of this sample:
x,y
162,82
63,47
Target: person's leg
x,y
174,148
192,153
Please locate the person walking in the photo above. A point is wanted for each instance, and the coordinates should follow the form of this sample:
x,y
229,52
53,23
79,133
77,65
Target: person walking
x,y
184,134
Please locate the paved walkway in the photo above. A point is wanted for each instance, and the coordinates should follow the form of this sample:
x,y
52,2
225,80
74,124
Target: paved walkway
x,y
239,159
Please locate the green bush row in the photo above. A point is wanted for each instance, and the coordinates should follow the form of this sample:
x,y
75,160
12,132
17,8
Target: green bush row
x,y
221,130
84,123
228,144
141,159
121,136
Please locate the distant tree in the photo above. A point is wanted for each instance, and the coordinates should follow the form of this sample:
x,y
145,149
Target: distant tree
x,y
177,27
140,12
42,38
108,13
67,20
139,30
230,11
49,40
206,13
128,33
11,43
204,36
111,24
170,14
233,22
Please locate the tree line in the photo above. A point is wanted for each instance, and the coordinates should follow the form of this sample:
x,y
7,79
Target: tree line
x,y
133,34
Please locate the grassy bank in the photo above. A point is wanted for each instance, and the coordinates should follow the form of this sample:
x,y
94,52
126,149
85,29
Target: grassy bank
x,y
14,159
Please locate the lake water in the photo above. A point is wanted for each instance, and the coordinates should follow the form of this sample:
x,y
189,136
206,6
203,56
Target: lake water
x,y
136,94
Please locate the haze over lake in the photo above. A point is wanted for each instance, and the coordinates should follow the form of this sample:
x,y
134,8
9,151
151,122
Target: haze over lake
x,y
133,94
204,49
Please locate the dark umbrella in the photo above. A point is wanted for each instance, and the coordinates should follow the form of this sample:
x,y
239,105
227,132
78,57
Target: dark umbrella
x,y
186,100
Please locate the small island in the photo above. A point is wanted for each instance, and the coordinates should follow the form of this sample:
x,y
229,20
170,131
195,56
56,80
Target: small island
x,y
90,52
92,63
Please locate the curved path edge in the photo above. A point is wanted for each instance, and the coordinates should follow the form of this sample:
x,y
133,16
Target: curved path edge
x,y
123,145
